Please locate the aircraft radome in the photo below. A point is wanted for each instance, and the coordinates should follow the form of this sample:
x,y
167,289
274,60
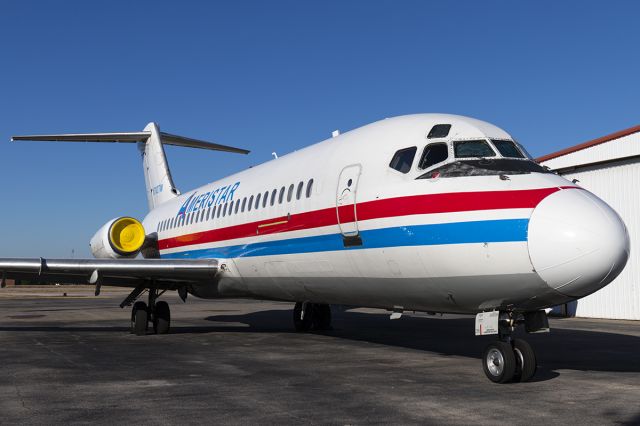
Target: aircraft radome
x,y
426,212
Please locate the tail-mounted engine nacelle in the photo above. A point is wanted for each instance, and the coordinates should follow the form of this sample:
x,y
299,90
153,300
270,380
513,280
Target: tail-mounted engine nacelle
x,y
119,238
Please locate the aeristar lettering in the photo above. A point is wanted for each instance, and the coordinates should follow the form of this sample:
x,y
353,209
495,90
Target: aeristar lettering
x,y
196,202
223,196
183,208
232,190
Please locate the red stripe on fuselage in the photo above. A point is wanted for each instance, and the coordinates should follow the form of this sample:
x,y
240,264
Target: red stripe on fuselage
x,y
375,209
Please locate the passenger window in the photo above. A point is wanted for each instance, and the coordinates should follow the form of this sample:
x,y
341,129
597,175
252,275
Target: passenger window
x,y
309,187
403,159
244,203
475,148
224,210
219,211
290,193
299,190
213,212
230,208
433,154
439,131
273,196
257,201
237,207
250,203
265,197
208,213
281,196
507,148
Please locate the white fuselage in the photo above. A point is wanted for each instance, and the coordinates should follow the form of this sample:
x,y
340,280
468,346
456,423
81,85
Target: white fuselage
x,y
349,229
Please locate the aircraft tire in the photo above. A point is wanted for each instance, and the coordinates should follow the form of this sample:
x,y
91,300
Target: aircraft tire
x,y
305,324
139,319
499,362
322,317
526,363
162,318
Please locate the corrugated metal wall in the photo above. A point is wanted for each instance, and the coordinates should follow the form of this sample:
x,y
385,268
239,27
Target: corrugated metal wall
x,y
625,146
617,184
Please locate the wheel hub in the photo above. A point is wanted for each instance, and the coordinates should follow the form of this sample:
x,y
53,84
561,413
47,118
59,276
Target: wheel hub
x,y
495,362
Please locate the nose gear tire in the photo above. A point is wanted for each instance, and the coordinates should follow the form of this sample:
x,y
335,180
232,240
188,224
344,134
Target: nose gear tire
x,y
499,362
526,363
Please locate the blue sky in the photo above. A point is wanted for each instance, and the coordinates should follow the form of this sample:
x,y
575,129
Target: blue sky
x,y
277,76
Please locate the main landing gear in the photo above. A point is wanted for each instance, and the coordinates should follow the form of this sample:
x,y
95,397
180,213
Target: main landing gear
x,y
508,359
311,316
155,312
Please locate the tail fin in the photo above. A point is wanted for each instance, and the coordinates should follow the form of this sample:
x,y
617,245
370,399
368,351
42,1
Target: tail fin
x,y
157,176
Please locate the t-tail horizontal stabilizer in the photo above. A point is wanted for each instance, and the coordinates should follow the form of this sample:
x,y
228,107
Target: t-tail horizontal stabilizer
x,y
160,186
130,137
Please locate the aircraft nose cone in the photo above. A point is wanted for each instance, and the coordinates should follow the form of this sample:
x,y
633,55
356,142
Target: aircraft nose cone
x,y
577,243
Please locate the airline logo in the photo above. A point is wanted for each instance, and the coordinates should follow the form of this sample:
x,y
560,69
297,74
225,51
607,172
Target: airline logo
x,y
196,202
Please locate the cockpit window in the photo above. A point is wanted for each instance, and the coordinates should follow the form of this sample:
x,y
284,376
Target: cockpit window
x,y
403,159
485,167
433,154
474,148
507,148
439,131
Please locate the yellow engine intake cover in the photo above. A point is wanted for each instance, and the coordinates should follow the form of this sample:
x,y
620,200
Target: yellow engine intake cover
x,y
126,235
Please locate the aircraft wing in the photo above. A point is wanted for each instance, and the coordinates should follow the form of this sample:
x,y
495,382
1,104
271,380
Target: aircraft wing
x,y
158,273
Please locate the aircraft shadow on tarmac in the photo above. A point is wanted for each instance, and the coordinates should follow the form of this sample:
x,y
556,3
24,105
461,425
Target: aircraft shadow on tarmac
x,y
561,349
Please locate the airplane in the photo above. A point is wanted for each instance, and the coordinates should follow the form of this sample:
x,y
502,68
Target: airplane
x,y
437,213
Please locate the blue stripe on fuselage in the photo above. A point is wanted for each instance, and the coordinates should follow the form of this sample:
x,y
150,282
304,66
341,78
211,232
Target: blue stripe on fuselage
x,y
485,231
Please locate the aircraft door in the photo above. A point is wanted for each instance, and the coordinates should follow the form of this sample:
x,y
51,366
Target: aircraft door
x,y
346,200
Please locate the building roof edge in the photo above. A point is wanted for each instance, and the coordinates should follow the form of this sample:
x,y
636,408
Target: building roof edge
x,y
589,144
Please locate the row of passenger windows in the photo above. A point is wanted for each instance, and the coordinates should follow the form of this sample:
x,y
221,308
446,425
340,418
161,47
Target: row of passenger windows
x,y
438,152
253,202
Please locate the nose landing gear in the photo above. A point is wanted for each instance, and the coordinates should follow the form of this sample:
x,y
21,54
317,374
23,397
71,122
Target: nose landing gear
x,y
513,360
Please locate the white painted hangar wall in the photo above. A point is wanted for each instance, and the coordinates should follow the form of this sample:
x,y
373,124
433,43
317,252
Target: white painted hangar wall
x,y
622,147
617,184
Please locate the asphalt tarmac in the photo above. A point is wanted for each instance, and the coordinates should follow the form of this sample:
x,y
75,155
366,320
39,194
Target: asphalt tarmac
x,y
72,360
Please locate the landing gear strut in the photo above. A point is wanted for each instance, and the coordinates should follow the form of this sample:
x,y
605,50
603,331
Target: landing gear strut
x,y
510,360
156,312
311,316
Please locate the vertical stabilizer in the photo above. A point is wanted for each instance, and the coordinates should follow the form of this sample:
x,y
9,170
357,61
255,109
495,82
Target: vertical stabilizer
x,y
157,177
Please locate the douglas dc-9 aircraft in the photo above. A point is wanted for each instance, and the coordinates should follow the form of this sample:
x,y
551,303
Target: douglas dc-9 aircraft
x,y
426,212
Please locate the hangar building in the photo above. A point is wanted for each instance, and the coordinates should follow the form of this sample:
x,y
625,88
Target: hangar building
x,y
610,168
